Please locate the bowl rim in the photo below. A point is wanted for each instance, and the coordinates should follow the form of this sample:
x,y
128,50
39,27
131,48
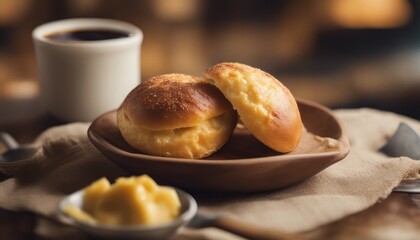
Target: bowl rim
x,y
339,154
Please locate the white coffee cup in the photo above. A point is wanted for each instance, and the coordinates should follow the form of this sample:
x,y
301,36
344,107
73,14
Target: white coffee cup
x,y
80,80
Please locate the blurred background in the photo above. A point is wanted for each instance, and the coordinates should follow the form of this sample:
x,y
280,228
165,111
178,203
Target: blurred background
x,y
341,53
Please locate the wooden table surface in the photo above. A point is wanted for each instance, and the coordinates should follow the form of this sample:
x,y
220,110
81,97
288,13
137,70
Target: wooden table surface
x,y
396,217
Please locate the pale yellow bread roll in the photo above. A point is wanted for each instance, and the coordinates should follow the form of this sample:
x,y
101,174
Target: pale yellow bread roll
x,y
176,115
264,104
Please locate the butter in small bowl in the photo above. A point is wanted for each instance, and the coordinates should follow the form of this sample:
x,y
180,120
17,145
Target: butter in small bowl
x,y
131,207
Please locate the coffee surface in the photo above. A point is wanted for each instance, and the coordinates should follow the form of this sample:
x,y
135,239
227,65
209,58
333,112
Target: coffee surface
x,y
88,35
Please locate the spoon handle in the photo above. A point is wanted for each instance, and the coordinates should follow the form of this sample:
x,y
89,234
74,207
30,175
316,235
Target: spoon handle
x,y
250,231
8,141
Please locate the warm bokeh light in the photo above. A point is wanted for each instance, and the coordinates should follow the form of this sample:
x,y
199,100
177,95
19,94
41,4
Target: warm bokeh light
x,y
340,53
176,10
12,10
370,13
18,89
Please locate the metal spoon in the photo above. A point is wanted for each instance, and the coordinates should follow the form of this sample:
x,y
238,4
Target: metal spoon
x,y
189,217
248,231
404,142
14,152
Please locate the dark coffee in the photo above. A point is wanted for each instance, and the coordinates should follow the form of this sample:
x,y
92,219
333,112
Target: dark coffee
x,y
88,35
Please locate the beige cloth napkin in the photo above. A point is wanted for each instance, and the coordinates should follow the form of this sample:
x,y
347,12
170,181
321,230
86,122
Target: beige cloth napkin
x,y
67,162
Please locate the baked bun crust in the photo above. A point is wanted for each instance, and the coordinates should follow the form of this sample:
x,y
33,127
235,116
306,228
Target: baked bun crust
x,y
176,115
264,104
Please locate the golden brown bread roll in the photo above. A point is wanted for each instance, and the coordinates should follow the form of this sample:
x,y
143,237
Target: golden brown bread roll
x,y
176,115
266,106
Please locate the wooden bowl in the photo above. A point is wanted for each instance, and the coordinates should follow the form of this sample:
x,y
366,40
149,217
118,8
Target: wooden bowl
x,y
243,164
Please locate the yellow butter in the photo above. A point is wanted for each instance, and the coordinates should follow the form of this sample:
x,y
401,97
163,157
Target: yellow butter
x,y
94,193
79,214
133,200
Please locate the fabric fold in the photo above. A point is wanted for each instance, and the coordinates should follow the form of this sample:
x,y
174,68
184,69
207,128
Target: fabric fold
x,y
67,161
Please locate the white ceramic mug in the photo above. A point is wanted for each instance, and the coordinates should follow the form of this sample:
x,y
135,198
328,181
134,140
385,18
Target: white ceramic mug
x,y
79,80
